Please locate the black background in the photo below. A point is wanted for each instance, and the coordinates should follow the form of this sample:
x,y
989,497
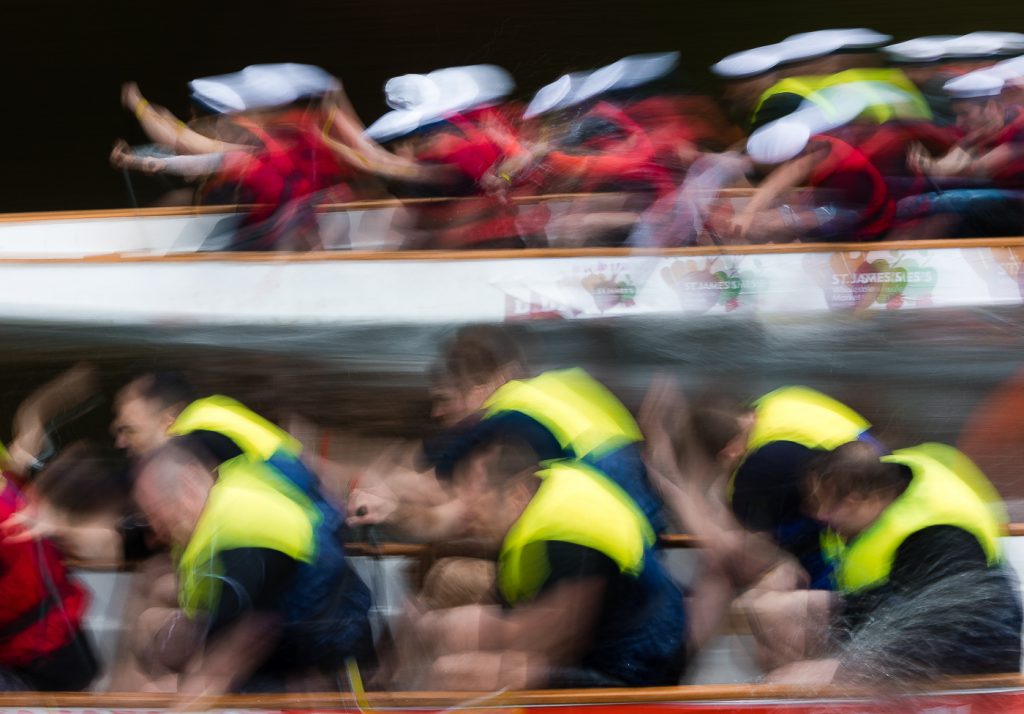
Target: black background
x,y
66,60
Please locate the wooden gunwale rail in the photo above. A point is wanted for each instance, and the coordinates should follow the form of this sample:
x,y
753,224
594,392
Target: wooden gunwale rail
x,y
389,700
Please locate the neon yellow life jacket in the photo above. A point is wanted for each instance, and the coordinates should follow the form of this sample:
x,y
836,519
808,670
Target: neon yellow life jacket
x,y
803,416
245,509
253,434
806,417
574,504
937,496
578,410
881,110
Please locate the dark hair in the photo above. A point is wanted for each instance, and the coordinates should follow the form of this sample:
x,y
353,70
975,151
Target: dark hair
x,y
715,421
477,353
168,389
855,468
85,480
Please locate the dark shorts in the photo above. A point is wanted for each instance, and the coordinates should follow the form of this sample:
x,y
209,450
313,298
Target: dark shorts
x,y
71,668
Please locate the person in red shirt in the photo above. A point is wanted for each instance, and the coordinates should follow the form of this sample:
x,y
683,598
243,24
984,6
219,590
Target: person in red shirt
x,y
980,180
847,199
42,644
445,136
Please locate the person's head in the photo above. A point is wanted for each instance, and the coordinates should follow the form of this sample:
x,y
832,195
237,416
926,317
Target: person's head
x,y
977,102
473,364
848,488
84,481
172,484
721,427
495,482
976,115
145,408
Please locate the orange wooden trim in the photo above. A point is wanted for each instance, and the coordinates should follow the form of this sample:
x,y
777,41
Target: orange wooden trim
x,y
388,700
178,211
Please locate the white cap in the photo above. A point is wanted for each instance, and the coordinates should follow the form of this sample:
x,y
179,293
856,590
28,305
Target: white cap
x,y
748,63
846,38
777,142
975,85
626,73
424,99
810,46
1006,43
557,95
975,44
1010,70
920,49
262,86
411,90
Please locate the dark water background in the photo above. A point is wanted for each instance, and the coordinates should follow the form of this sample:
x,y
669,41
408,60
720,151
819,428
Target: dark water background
x,y
66,60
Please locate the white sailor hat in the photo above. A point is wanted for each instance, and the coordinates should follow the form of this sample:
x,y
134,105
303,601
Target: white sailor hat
x,y
261,86
439,94
975,85
410,91
919,49
748,63
1002,43
1009,70
626,73
974,45
851,38
778,141
557,95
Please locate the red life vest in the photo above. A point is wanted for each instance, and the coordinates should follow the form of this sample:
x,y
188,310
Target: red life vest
x,y
42,608
291,162
1011,174
855,182
629,161
472,143
885,145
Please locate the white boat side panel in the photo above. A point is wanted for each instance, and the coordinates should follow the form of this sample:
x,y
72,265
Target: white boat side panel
x,y
277,291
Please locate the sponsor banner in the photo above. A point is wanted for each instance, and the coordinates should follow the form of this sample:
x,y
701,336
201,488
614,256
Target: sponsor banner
x,y
333,290
770,283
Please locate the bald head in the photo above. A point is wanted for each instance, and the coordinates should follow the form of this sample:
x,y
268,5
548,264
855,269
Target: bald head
x,y
172,485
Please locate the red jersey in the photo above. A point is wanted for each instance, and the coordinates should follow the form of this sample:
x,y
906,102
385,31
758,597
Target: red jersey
x,y
626,160
852,181
42,608
1011,173
472,143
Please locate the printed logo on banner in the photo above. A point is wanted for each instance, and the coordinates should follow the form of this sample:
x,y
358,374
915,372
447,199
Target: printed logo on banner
x,y
535,307
608,292
700,286
1000,268
859,281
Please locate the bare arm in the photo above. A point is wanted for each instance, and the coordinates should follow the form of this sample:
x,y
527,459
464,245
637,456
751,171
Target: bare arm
x,y
59,395
784,178
162,127
414,504
187,165
94,541
387,165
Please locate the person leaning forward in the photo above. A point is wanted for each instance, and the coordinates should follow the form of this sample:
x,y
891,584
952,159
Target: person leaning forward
x,y
264,595
584,601
924,589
